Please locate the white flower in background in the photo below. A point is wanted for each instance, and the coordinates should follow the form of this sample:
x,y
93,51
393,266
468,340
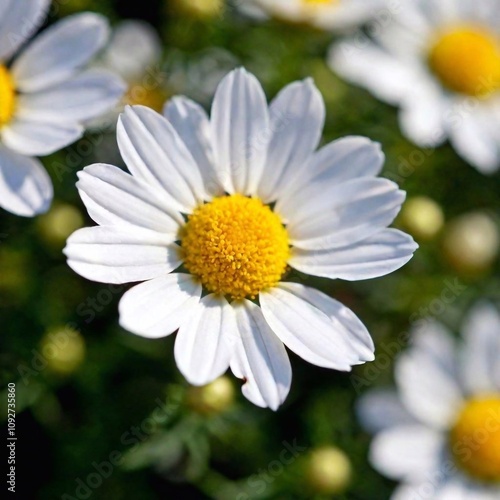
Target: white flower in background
x,y
45,96
323,14
440,63
134,53
439,434
236,200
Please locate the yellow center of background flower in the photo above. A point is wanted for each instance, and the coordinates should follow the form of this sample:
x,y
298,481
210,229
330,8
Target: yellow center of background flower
x,y
7,96
316,5
319,2
236,246
153,98
467,60
475,438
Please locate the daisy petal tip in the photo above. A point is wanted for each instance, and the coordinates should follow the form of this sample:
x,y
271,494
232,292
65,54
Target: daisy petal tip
x,y
172,101
275,406
127,110
44,207
309,82
92,20
85,173
368,359
129,327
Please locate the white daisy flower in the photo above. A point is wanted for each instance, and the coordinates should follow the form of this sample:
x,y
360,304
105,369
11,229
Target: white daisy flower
x,y
236,200
323,14
134,54
439,433
440,63
45,96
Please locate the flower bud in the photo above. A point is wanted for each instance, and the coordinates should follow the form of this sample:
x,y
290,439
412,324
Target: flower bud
x,y
422,217
59,223
215,397
63,349
202,9
328,470
471,242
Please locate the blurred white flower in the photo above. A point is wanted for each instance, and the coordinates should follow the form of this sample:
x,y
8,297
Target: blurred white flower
x,y
45,96
439,433
324,14
134,54
440,63
237,199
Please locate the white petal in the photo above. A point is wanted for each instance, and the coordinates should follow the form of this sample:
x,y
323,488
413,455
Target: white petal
x,y
422,115
201,351
459,488
297,116
124,254
39,138
134,47
481,353
443,484
154,152
18,21
84,97
335,216
348,15
193,126
424,489
407,452
60,51
317,328
381,409
240,131
113,197
427,387
473,136
158,307
259,357
25,186
437,342
378,255
340,161
387,77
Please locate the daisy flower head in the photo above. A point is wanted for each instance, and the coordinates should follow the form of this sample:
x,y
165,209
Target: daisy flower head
x,y
45,96
237,200
332,15
134,54
439,431
439,62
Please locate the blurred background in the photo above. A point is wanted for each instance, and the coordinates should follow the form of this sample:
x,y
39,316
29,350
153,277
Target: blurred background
x,y
104,414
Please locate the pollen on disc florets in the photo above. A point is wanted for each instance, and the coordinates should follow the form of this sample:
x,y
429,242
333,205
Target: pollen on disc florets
x,y
475,438
7,96
467,60
236,246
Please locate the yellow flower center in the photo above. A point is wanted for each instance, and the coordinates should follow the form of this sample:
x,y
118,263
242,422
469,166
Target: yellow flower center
x,y
153,98
467,60
315,5
7,96
319,2
236,246
475,438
